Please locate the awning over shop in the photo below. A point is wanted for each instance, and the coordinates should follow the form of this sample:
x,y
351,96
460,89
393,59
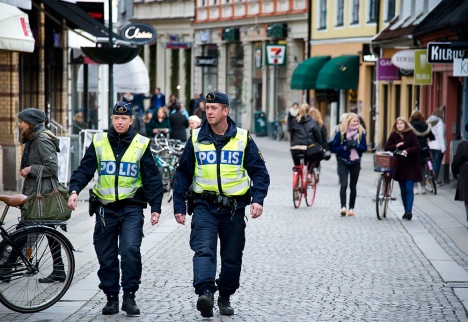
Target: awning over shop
x,y
130,77
25,4
305,74
341,72
76,18
15,33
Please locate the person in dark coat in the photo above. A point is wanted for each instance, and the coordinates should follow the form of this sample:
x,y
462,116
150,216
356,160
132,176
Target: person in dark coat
x,y
292,114
317,116
172,103
407,167
460,171
159,123
179,125
304,131
349,144
424,134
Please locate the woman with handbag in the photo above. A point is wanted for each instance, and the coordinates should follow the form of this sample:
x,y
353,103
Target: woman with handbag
x,y
317,116
304,132
39,159
407,167
349,144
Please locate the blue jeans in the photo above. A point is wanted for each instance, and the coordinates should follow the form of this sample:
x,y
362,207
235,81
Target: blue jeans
x,y
122,236
206,226
407,194
437,155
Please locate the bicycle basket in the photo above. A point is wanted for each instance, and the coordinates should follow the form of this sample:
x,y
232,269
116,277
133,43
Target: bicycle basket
x,y
384,162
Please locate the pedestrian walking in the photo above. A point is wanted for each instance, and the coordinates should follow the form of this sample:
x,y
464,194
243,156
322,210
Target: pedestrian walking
x,y
158,99
317,117
292,114
194,122
304,131
407,167
172,103
349,144
460,171
159,124
424,134
200,111
439,145
179,124
39,158
213,175
128,179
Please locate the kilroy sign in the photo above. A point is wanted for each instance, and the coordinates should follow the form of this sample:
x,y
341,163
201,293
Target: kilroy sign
x,y
138,33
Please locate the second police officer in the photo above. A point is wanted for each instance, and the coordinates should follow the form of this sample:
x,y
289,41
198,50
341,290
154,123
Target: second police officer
x,y
214,172
128,180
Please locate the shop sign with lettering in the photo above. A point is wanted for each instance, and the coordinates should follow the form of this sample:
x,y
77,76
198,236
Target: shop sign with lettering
x,y
386,71
139,33
404,59
206,61
442,53
460,67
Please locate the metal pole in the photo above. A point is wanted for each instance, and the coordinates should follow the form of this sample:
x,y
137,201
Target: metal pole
x,y
111,66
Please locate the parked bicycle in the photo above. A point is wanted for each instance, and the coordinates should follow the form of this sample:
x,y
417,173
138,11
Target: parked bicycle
x,y
384,162
302,187
28,253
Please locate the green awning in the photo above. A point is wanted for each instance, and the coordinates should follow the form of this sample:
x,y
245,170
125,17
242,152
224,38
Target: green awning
x,y
305,75
341,72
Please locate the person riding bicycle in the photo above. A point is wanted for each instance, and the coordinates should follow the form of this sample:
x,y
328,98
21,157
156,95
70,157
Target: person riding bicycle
x,y
407,167
423,131
128,180
304,131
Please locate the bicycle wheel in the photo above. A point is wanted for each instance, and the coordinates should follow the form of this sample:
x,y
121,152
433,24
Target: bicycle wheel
x,y
381,198
311,189
51,256
431,185
296,188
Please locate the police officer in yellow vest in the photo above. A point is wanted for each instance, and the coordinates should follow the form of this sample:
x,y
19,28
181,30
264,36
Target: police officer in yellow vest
x,y
220,173
128,180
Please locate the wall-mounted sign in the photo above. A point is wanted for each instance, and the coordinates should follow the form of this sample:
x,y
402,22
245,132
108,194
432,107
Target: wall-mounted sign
x,y
276,55
367,55
422,69
404,59
206,61
178,45
386,71
258,58
460,67
442,53
94,9
205,35
138,33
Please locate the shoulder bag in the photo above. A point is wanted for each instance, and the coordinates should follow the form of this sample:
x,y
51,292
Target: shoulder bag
x,y
52,206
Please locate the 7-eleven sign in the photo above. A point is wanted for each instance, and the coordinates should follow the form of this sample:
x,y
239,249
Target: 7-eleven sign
x,y
275,55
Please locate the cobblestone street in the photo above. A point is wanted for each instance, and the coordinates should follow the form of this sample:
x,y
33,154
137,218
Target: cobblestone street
x,y
306,264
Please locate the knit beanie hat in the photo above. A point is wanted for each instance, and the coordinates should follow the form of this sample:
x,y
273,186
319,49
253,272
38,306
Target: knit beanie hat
x,y
32,116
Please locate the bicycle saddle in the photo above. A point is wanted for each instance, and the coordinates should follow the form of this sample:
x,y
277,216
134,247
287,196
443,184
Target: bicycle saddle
x,y
14,200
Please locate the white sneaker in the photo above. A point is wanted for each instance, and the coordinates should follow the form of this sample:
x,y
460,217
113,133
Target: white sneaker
x,y
415,191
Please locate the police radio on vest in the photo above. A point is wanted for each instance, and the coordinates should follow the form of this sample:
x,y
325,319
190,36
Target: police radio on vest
x,y
126,169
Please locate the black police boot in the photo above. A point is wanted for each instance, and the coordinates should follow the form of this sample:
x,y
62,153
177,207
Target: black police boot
x,y
225,306
205,304
57,275
129,304
112,305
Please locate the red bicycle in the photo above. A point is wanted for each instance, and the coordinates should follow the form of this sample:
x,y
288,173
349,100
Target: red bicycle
x,y
301,186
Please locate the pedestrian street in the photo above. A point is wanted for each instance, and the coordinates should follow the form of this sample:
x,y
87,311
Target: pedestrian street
x,y
305,264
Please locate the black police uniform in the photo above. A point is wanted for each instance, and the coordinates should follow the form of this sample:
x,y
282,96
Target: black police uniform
x,y
213,216
119,225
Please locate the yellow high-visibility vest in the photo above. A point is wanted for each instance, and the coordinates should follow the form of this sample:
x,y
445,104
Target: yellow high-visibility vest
x,y
223,171
117,184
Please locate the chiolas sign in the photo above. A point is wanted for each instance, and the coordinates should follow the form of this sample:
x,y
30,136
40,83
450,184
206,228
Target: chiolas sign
x,y
138,33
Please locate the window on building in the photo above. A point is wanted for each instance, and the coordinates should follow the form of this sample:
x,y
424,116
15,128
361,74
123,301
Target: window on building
x,y
210,74
373,7
339,13
391,8
355,12
323,14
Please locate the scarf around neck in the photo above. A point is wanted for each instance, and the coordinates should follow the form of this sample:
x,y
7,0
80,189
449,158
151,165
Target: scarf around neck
x,y
352,133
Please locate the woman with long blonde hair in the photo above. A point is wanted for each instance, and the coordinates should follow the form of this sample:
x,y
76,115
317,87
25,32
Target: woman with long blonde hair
x,y
408,169
317,116
304,131
349,144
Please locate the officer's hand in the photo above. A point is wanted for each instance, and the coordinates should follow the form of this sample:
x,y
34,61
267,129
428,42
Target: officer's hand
x,y
73,201
154,218
256,210
180,218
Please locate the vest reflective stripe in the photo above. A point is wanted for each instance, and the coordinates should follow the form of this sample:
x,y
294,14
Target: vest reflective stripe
x,y
117,184
234,180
